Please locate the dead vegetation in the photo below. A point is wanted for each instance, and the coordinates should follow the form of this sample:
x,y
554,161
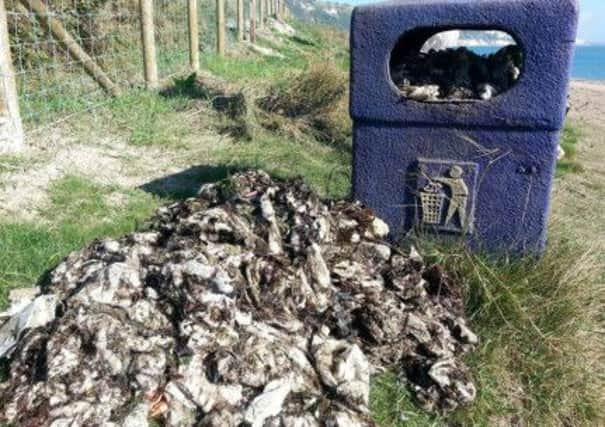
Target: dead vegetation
x,y
310,92
312,101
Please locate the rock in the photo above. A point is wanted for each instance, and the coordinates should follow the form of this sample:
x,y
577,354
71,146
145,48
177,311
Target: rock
x,y
250,303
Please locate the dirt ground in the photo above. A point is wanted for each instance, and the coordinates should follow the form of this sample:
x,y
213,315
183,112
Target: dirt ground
x,y
105,159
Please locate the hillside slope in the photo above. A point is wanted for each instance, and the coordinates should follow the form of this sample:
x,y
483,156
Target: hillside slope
x,y
322,12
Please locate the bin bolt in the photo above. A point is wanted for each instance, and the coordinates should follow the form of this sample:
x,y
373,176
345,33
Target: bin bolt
x,y
528,170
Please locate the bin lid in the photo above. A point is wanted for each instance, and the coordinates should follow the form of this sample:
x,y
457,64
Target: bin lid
x,y
544,29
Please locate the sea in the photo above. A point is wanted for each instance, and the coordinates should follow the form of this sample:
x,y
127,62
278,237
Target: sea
x,y
589,63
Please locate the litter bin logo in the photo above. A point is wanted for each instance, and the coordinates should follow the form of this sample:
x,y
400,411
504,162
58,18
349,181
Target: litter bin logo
x,y
446,195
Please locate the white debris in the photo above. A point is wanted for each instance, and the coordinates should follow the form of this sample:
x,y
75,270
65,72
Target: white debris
x,y
36,314
139,417
282,27
487,91
423,93
560,153
18,299
264,51
269,403
380,228
249,304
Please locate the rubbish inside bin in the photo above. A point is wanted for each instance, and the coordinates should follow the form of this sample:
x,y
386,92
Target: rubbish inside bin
x,y
254,303
457,74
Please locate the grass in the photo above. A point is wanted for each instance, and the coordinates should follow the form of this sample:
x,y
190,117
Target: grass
x,y
11,162
540,359
392,404
313,91
326,169
149,119
310,103
237,69
297,54
569,142
78,212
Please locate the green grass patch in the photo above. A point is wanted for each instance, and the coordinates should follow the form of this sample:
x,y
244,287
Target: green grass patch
x,y
391,404
326,169
78,212
11,162
150,119
238,69
540,357
569,142
309,43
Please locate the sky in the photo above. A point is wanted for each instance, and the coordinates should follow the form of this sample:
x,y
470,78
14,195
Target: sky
x,y
592,19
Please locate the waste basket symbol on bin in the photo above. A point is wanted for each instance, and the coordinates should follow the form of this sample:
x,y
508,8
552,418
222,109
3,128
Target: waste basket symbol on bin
x,y
446,191
432,198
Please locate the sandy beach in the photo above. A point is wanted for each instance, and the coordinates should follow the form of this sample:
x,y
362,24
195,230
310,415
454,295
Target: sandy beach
x,y
579,199
588,101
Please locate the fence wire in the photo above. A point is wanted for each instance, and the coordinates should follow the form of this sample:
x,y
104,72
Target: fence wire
x,y
171,37
52,85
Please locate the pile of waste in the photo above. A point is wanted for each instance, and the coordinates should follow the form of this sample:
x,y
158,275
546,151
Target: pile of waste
x,y
457,74
254,303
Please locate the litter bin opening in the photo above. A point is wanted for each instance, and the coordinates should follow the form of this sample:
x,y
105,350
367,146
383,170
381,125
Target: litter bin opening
x,y
453,65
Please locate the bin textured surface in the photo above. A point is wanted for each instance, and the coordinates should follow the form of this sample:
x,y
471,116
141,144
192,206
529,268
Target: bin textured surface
x,y
491,161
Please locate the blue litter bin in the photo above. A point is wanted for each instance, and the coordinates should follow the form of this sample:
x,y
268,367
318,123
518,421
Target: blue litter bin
x,y
477,169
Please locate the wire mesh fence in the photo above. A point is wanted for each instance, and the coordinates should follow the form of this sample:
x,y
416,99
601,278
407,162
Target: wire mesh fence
x,y
50,82
171,37
53,83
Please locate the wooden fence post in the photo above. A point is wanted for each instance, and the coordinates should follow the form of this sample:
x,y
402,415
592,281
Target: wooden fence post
x,y
148,40
220,27
11,128
240,20
253,21
194,42
261,20
56,29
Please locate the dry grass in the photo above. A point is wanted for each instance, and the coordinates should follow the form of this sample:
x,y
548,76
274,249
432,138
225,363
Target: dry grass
x,y
311,102
309,92
541,322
